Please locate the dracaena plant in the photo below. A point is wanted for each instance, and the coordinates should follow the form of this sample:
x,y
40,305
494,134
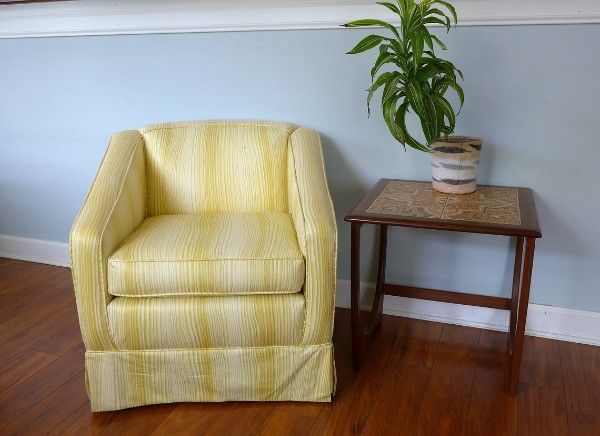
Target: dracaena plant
x,y
418,80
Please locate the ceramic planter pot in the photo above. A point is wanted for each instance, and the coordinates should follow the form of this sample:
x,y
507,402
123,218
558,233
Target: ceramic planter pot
x,y
454,162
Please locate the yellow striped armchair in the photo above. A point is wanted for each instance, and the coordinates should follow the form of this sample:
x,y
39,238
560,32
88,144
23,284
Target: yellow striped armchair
x,y
204,265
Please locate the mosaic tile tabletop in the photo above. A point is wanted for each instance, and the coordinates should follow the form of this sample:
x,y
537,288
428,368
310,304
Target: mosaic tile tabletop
x,y
489,204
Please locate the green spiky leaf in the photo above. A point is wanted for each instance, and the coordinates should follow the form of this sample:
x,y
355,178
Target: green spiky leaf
x,y
418,80
392,7
366,43
377,83
377,23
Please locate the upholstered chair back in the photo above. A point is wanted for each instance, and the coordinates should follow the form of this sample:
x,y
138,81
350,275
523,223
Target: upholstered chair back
x,y
216,166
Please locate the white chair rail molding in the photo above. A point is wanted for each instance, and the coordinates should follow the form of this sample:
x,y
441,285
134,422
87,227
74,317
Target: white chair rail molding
x,y
99,17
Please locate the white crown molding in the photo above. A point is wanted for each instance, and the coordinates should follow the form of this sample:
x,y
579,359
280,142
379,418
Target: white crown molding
x,y
103,17
544,321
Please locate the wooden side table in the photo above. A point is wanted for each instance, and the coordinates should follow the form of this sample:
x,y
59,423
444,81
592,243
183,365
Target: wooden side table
x,y
493,210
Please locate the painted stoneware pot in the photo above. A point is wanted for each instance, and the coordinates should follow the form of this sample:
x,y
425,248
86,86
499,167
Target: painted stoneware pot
x,y
454,162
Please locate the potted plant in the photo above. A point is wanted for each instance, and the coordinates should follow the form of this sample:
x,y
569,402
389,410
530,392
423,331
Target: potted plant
x,y
417,82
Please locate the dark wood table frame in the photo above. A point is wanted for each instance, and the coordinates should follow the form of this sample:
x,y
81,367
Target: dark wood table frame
x,y
525,234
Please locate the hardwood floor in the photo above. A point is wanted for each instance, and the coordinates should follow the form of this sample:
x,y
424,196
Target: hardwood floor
x,y
419,378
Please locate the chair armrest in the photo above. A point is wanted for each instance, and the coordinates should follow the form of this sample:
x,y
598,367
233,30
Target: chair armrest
x,y
114,207
310,206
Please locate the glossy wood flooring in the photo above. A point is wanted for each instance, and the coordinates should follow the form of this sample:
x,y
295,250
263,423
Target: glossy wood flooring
x,y
420,378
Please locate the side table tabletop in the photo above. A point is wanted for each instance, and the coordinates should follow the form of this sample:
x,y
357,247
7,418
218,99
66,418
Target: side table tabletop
x,y
493,210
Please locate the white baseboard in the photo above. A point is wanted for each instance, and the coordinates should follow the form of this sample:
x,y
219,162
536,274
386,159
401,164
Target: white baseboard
x,y
543,321
35,250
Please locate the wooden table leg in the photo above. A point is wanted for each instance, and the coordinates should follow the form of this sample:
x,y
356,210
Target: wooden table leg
x,y
356,323
521,317
359,332
377,308
516,289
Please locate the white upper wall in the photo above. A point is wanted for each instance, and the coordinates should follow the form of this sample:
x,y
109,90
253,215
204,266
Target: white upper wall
x,y
102,17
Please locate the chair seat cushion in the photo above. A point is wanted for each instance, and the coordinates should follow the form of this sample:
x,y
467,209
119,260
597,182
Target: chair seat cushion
x,y
206,322
208,254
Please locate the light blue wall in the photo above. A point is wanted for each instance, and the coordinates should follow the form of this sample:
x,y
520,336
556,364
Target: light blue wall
x,y
533,94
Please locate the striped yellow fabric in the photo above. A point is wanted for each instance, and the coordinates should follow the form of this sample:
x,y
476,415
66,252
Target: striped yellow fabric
x,y
216,166
133,378
216,253
224,191
314,219
206,322
113,209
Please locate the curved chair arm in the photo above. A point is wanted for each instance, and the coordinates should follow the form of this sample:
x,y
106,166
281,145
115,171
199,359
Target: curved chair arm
x,y
314,220
114,207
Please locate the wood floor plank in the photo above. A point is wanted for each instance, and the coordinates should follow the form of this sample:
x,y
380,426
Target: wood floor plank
x,y
61,342
33,320
4,261
16,272
139,420
340,419
584,425
311,410
285,423
416,342
355,397
542,411
397,405
242,419
27,298
22,284
540,364
17,346
581,374
29,277
407,377
491,410
16,400
192,418
50,411
446,404
31,363
379,350
81,422
29,280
